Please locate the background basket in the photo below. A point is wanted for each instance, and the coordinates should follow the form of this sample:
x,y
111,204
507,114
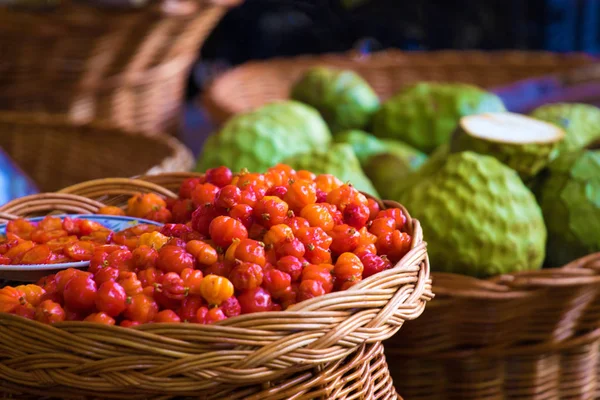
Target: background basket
x,y
253,84
324,348
56,153
126,66
532,335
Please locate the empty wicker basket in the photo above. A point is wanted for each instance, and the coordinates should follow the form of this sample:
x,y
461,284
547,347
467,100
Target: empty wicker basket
x,y
126,66
56,153
253,84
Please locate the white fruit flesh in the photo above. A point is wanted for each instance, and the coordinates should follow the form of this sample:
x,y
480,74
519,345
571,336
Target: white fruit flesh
x,y
506,127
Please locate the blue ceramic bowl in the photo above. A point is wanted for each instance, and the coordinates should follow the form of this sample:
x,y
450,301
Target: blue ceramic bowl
x,y
31,273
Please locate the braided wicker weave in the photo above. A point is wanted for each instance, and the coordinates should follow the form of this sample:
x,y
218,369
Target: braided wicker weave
x,y
256,83
532,335
323,348
56,153
128,67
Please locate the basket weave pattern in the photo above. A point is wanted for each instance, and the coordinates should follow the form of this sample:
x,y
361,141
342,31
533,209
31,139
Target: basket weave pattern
x,y
125,66
256,83
532,335
327,347
56,153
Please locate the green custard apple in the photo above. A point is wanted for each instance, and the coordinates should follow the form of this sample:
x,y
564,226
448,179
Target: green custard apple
x,y
425,115
262,138
344,98
412,156
366,146
581,122
427,168
525,144
478,217
385,170
569,194
363,143
338,160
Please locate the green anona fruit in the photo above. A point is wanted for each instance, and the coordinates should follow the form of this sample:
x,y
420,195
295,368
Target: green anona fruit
x,y
338,160
412,156
363,143
427,168
262,138
569,194
344,98
425,115
581,122
385,170
525,144
366,146
478,217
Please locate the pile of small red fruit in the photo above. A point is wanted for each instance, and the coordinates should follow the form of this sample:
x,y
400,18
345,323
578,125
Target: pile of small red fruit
x,y
232,244
55,241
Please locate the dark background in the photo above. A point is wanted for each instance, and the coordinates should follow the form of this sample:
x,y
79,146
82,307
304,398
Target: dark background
x,y
261,29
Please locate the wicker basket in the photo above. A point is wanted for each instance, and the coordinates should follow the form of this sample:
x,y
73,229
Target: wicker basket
x,y
256,83
324,348
532,335
128,67
56,153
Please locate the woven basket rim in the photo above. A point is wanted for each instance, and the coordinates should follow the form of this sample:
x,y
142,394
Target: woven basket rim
x,y
391,56
64,121
579,272
216,98
61,120
179,153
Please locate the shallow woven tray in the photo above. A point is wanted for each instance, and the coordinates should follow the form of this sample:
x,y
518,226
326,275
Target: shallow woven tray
x,y
324,348
126,66
256,83
56,153
531,335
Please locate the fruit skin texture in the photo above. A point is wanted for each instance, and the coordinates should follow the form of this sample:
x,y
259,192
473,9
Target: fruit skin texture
x,y
216,289
10,298
342,97
255,300
174,259
260,139
478,217
384,170
527,158
581,122
338,160
363,143
569,194
366,146
433,163
425,114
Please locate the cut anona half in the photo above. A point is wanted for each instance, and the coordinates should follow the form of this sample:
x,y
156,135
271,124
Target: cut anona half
x,y
523,143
